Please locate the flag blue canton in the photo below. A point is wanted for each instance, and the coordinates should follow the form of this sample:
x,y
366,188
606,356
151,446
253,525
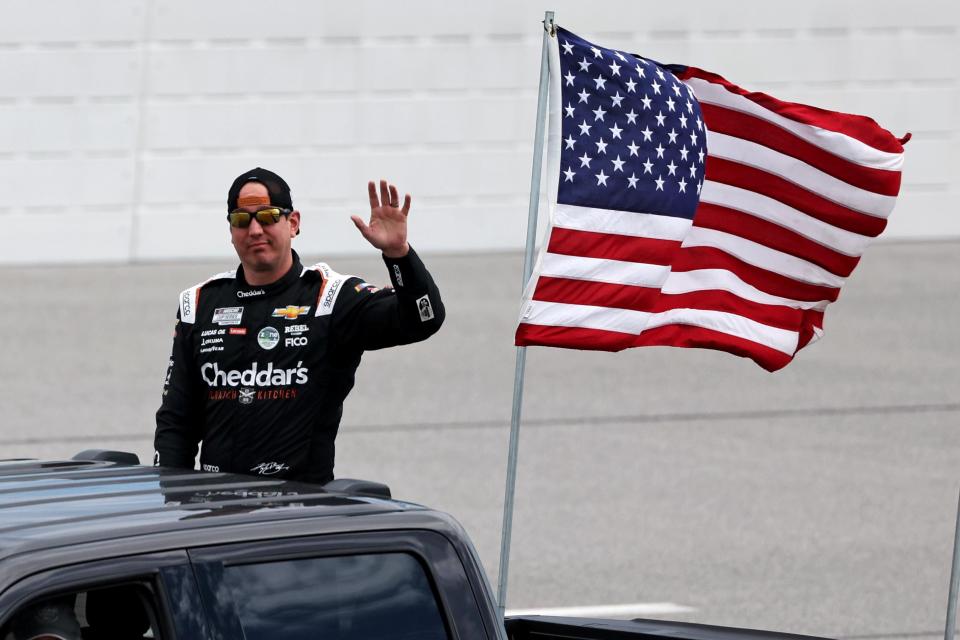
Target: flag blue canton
x,y
633,134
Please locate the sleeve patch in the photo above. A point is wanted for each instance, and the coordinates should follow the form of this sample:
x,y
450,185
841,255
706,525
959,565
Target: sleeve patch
x,y
425,308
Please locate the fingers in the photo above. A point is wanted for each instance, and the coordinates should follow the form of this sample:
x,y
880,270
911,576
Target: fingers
x,y
360,224
384,194
394,197
372,192
406,204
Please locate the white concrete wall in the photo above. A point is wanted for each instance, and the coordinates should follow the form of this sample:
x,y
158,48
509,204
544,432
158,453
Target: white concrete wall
x,y
122,122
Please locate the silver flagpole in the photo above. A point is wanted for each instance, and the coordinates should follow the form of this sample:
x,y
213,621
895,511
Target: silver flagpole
x,y
951,626
548,31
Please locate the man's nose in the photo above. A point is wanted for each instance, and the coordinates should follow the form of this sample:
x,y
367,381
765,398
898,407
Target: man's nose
x,y
254,229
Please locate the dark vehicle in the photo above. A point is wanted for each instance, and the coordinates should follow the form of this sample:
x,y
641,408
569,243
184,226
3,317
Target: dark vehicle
x,y
102,547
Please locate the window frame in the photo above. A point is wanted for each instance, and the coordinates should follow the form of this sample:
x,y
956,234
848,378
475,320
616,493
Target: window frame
x,y
156,572
451,588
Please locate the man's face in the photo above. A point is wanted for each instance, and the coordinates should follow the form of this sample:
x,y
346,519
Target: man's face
x,y
262,248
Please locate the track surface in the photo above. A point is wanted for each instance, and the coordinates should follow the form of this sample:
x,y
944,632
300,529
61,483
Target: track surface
x,y
818,500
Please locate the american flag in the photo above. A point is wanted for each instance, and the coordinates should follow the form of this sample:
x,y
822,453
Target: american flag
x,y
688,212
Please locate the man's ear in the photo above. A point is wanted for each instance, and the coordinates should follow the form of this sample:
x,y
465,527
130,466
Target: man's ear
x,y
294,224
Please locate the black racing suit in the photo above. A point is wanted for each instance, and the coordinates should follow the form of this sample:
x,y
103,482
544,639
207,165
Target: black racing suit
x,y
259,373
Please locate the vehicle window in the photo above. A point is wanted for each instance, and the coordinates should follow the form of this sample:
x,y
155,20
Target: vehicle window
x,y
121,611
361,597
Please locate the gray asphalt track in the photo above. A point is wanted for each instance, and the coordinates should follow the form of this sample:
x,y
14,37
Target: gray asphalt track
x,y
819,500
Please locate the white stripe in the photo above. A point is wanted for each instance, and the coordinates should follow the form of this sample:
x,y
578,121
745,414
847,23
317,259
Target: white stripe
x,y
837,143
625,223
720,279
598,270
607,610
810,178
731,324
558,314
763,257
761,206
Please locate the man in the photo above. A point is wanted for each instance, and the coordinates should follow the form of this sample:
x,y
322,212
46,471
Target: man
x,y
264,356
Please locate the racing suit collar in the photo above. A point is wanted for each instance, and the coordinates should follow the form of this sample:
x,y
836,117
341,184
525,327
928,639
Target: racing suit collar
x,y
291,276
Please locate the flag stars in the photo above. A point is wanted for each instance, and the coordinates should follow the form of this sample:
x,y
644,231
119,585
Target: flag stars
x,y
601,146
648,166
673,135
570,141
699,187
684,152
659,150
700,155
584,64
699,124
693,171
616,99
569,110
585,160
569,173
646,100
640,72
672,168
567,47
659,182
598,114
618,164
693,138
683,185
633,149
569,78
656,87
601,178
660,118
633,181
585,128
683,121
596,52
615,69
676,89
619,55
584,97
689,107
646,133
670,104
600,81
660,74
631,86
631,117
615,132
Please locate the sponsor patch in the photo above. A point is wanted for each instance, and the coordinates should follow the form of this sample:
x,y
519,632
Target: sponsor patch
x,y
210,467
296,341
296,328
251,293
397,276
253,376
246,395
425,308
366,286
237,331
227,315
268,338
290,312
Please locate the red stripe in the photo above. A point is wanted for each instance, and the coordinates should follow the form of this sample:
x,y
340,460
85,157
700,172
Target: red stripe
x,y
811,319
768,234
747,127
678,335
572,338
693,258
771,315
610,246
598,294
773,186
667,336
861,128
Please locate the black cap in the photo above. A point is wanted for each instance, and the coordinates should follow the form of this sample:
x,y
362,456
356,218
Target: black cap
x,y
278,189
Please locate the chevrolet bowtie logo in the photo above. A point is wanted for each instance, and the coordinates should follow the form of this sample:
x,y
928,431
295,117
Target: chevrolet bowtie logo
x,y
290,312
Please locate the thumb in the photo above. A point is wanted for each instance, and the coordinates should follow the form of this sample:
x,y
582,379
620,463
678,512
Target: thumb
x,y
361,225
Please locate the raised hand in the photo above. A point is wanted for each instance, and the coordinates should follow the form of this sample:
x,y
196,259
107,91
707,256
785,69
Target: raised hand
x,y
387,229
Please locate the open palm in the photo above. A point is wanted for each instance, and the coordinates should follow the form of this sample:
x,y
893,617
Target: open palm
x,y
387,228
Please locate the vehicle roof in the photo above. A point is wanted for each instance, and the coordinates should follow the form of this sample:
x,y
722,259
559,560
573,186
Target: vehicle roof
x,y
53,503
